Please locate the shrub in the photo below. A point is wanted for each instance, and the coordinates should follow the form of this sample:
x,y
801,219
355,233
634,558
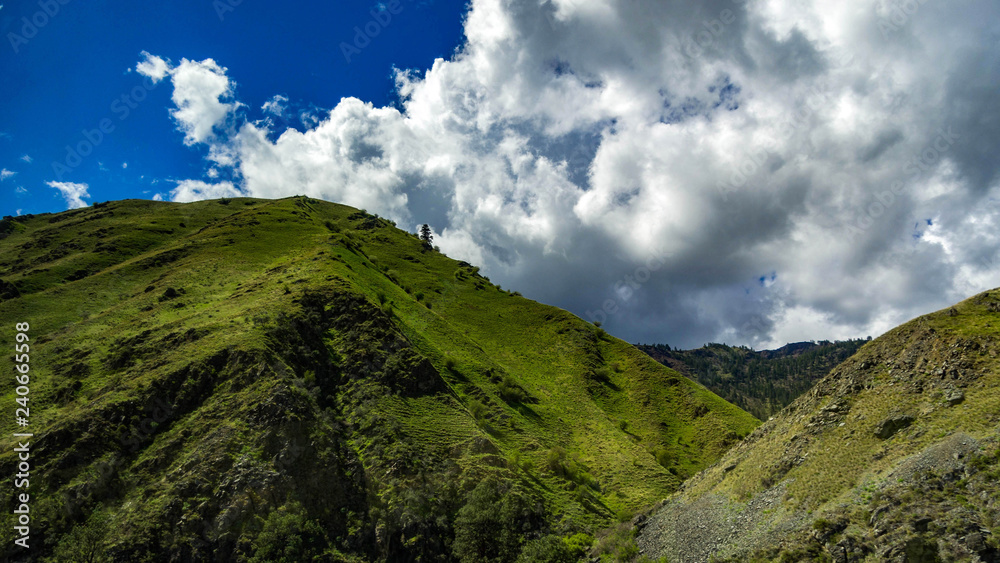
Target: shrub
x,y
554,460
663,457
547,549
822,524
288,535
85,542
578,544
511,392
515,461
618,542
478,410
602,374
491,526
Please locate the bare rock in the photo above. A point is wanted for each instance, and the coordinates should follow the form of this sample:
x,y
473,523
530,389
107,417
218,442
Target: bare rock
x,y
888,427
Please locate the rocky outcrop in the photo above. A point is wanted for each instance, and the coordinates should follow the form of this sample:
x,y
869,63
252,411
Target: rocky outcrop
x,y
895,456
889,426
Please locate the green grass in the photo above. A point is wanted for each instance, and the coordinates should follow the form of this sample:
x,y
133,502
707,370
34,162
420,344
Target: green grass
x,y
196,304
836,468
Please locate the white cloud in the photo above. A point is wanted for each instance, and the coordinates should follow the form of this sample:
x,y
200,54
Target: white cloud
x,y
276,105
154,67
199,88
124,165
157,197
72,193
196,190
571,143
20,190
27,159
4,174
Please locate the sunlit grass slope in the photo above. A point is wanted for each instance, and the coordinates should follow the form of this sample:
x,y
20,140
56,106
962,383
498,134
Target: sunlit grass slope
x,y
894,454
211,379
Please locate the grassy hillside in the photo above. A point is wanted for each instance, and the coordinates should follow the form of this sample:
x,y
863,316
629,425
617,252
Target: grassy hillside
x,y
759,382
298,380
892,457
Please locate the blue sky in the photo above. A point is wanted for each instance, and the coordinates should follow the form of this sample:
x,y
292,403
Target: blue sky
x,y
684,172
67,78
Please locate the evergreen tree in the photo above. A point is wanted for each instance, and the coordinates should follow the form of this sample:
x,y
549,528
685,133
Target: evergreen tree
x,y
425,234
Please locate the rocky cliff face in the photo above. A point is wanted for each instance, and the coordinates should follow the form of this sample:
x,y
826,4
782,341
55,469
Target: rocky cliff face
x,y
892,457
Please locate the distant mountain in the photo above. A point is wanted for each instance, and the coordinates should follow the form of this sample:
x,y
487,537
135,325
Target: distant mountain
x,y
295,380
893,456
760,382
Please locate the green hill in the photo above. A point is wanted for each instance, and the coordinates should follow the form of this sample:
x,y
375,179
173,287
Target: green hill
x,y
296,380
759,382
894,456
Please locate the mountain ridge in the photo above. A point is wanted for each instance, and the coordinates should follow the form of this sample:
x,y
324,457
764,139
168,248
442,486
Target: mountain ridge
x,y
760,382
893,456
296,379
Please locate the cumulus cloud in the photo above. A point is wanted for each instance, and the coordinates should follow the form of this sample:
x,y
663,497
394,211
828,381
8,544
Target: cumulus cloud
x,y
196,190
684,172
27,159
199,91
4,174
72,193
154,67
276,105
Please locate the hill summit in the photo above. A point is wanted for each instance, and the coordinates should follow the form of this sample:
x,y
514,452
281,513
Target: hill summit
x,y
296,380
